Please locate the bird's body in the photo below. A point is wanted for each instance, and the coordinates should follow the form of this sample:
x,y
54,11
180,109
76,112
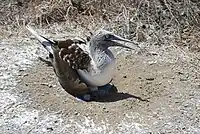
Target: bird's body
x,y
99,75
82,66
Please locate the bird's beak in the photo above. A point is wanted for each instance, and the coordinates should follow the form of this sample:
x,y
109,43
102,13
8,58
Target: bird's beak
x,y
118,38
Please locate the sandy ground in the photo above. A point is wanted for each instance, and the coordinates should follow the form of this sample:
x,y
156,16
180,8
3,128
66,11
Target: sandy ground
x,y
158,92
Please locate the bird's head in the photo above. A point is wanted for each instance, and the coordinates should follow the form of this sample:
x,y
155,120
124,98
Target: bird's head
x,y
105,39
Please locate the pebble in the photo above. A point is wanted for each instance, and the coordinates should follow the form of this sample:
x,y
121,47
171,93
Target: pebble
x,y
50,128
47,84
87,97
183,79
25,75
75,113
150,79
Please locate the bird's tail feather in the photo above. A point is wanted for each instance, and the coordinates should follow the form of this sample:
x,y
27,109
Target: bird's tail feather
x,y
47,44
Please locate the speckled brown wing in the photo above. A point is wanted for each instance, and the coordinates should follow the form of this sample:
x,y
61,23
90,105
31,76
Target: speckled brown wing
x,y
73,54
67,77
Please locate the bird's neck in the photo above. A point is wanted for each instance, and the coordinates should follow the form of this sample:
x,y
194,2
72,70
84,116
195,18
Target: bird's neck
x,y
100,56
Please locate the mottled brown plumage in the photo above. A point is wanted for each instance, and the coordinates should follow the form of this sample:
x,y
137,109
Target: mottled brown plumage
x,y
58,54
67,57
71,53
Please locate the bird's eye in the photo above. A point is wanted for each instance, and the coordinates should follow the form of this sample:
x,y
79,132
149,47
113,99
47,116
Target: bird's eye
x,y
50,55
107,36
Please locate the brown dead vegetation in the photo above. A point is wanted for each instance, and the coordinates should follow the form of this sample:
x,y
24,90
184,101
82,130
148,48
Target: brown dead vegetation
x,y
162,20
159,12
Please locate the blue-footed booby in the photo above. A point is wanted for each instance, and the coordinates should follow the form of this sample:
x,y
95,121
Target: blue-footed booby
x,y
83,65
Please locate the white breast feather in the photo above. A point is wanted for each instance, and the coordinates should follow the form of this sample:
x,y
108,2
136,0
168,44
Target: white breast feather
x,y
96,77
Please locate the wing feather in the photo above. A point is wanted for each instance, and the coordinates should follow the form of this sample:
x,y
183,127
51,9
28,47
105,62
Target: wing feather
x,y
74,55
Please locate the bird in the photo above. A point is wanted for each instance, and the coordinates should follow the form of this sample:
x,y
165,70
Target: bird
x,y
82,66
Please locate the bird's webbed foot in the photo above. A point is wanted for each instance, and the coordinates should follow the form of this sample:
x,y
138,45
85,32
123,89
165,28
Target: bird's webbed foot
x,y
97,93
93,89
103,91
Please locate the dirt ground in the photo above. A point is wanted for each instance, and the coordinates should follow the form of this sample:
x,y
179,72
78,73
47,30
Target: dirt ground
x,y
158,92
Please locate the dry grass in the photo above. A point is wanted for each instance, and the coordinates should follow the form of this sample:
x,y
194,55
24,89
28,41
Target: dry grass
x,y
161,13
159,21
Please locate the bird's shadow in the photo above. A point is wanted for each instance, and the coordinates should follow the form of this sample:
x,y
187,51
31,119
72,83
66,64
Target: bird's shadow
x,y
114,96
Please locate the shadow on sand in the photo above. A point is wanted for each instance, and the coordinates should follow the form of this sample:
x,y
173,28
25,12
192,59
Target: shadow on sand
x,y
114,96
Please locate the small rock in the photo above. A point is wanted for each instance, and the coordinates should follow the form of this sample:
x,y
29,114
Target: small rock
x,y
180,73
149,82
42,94
50,128
22,91
183,128
47,84
186,105
150,78
25,75
183,79
87,97
44,84
151,62
154,53
21,70
173,77
75,113
144,26
124,76
106,111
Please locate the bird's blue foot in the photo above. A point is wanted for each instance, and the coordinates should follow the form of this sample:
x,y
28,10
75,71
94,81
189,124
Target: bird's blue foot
x,y
102,92
98,94
85,97
106,87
